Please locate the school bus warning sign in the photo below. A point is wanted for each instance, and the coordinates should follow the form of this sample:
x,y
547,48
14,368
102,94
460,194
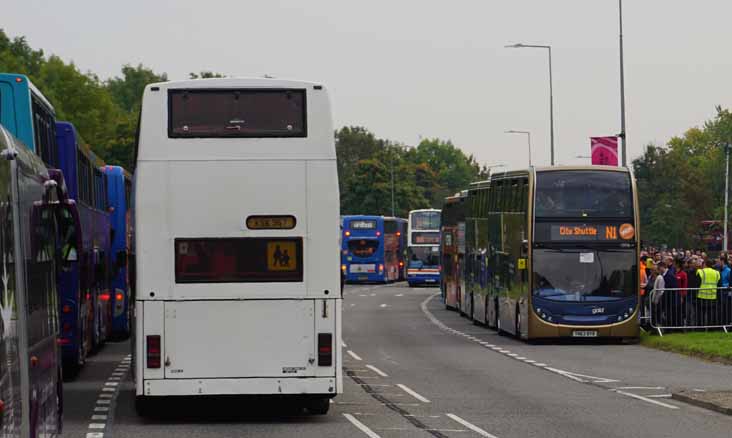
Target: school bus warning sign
x,y
281,255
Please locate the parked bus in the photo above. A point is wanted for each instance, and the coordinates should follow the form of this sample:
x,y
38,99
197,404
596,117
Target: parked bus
x,y
403,233
370,249
84,287
236,210
30,374
119,191
28,116
452,250
423,248
555,253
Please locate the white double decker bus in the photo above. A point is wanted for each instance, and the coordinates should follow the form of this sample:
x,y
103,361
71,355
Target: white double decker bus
x,y
236,239
423,247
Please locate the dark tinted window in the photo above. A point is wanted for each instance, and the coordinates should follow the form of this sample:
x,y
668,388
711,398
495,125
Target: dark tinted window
x,y
44,127
237,113
238,260
598,194
390,227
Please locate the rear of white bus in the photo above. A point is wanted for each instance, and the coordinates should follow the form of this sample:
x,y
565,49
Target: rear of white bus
x,y
236,222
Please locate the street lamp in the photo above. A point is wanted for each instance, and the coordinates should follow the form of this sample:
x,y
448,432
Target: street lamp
x,y
551,88
622,88
528,135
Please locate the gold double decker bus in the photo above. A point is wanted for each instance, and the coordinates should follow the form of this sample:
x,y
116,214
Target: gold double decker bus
x,y
553,252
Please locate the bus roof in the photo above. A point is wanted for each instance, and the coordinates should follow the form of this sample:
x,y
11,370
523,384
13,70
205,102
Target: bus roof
x,y
156,144
525,172
13,78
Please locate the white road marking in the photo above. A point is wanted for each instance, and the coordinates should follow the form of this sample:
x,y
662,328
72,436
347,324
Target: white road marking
x,y
343,344
95,435
354,355
383,305
108,389
97,425
540,364
641,387
471,426
104,402
583,378
413,393
99,417
377,371
362,427
112,383
646,399
105,395
399,295
370,384
660,396
101,409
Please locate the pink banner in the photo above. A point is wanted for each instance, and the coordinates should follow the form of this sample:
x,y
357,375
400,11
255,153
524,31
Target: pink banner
x,y
604,150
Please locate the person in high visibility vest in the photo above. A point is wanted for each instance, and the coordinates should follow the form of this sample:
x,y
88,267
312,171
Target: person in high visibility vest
x,y
707,294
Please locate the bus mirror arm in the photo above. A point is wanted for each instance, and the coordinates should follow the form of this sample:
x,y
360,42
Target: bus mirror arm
x,y
524,248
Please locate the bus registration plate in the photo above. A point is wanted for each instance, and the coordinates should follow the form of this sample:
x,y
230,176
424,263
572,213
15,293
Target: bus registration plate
x,y
364,268
584,333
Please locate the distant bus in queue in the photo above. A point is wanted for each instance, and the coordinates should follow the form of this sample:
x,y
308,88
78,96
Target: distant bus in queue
x,y
30,375
403,233
84,282
452,250
555,252
237,289
119,191
370,249
423,247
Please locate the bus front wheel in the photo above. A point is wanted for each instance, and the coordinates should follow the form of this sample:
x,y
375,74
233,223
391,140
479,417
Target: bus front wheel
x,y
318,406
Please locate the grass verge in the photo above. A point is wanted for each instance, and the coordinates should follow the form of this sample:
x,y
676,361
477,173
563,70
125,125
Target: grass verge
x,y
714,346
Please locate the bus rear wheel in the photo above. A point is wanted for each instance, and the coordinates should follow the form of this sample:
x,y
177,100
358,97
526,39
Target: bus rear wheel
x,y
143,406
318,406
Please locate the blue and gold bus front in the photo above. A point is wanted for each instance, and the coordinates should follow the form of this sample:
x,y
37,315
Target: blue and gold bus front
x,y
584,257
362,250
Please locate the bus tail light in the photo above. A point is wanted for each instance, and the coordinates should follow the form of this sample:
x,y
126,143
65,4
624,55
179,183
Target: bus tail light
x,y
67,308
325,349
401,264
119,297
153,351
381,268
343,268
347,233
104,297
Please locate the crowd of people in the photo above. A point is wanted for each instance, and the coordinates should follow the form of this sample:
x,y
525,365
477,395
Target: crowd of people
x,y
685,288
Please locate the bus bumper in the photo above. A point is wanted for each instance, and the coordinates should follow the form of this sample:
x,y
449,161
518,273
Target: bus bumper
x,y
629,328
433,279
326,386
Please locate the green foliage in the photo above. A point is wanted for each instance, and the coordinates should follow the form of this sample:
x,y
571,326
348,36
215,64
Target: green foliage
x,y
682,183
104,113
423,176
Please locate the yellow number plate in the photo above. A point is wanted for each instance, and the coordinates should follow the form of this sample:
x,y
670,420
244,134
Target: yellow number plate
x,y
281,256
271,222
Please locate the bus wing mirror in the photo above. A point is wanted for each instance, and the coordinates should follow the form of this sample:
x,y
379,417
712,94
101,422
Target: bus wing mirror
x,y
524,248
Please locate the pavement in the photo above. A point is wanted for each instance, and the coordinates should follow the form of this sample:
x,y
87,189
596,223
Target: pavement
x,y
414,369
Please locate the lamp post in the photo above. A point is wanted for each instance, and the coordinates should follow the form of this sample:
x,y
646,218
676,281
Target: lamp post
x,y
622,88
726,193
551,88
528,135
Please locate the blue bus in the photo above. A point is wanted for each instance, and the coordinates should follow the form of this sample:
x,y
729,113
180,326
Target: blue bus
x,y
119,189
423,251
370,249
85,287
26,114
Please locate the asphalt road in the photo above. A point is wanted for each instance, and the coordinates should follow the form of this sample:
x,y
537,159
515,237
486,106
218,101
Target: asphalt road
x,y
417,370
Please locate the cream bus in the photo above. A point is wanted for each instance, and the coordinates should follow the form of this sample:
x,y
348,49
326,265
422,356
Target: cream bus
x,y
237,284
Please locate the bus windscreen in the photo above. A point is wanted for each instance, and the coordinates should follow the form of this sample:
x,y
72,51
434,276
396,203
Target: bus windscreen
x,y
591,194
222,113
426,220
238,260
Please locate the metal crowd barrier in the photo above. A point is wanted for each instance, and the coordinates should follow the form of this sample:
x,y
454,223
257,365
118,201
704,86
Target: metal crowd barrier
x,y
674,309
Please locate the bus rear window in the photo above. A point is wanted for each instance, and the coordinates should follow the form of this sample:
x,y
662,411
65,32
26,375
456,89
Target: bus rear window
x,y
238,260
363,247
220,113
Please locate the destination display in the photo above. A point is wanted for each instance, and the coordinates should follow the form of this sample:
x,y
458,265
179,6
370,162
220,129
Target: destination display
x,y
581,232
363,225
426,238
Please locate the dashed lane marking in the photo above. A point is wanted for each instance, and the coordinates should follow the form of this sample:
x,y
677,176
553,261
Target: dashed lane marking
x,y
354,355
413,393
471,426
377,371
362,427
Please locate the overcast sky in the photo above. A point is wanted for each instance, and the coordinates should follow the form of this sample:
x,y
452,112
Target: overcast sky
x,y
406,69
